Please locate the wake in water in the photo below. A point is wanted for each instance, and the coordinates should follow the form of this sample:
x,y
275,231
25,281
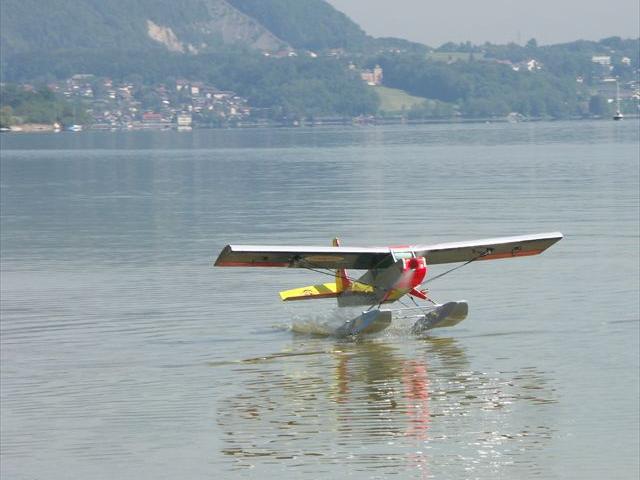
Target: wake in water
x,y
322,323
329,323
342,322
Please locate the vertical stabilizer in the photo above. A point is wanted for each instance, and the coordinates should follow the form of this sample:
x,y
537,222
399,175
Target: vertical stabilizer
x,y
342,279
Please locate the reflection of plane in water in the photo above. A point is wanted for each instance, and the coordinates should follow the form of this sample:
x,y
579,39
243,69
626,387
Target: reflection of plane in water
x,y
370,399
364,393
374,376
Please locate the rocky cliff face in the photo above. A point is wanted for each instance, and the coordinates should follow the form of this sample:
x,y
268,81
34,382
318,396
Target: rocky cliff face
x,y
229,25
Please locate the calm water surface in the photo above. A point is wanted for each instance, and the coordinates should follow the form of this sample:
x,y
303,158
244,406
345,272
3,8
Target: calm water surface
x,y
125,355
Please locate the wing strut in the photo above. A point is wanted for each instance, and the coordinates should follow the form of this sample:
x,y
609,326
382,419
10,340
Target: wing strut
x,y
487,251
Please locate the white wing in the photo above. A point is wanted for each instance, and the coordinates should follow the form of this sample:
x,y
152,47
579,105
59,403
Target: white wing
x,y
304,257
487,249
372,258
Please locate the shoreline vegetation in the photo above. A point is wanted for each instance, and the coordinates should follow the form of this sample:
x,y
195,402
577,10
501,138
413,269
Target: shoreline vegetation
x,y
87,102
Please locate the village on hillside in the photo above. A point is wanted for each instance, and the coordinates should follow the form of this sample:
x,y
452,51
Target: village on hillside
x,y
132,105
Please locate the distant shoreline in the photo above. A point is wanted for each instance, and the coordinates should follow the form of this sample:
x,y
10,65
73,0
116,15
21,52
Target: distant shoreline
x,y
356,122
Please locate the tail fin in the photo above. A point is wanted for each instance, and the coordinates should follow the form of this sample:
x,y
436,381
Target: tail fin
x,y
342,279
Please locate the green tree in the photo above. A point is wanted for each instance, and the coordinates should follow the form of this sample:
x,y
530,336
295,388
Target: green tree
x,y
598,105
6,116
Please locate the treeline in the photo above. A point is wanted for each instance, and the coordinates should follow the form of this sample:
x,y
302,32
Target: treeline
x,y
484,89
563,59
18,106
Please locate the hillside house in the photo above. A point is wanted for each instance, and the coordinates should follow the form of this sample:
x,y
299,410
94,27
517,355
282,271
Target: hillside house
x,y
184,119
601,66
603,60
152,117
372,77
530,65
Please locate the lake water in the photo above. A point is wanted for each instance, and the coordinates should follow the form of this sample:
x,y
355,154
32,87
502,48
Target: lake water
x,y
126,355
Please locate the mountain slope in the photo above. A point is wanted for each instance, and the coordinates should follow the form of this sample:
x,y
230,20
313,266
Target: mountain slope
x,y
184,26
310,24
187,26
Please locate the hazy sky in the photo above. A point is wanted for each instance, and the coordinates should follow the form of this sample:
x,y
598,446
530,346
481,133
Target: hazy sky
x,y
498,21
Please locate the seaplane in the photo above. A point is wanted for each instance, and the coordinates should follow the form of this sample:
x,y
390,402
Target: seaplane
x,y
391,273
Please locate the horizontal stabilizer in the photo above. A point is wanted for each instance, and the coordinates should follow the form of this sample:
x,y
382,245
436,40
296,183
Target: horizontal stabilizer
x,y
325,290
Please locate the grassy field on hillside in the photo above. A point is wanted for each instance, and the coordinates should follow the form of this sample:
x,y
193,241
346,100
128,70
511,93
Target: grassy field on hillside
x,y
393,100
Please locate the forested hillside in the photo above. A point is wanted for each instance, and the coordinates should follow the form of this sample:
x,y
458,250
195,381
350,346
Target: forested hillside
x,y
484,89
573,58
310,24
488,80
